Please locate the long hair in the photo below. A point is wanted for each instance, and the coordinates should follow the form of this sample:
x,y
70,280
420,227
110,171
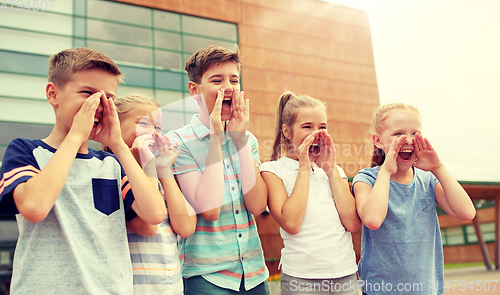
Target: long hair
x,y
380,116
286,113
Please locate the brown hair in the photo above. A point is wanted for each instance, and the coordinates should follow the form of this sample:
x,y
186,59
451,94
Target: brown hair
x,y
286,113
380,116
204,58
63,65
125,103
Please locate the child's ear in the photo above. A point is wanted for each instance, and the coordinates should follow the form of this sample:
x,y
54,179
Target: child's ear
x,y
377,141
193,88
51,93
286,131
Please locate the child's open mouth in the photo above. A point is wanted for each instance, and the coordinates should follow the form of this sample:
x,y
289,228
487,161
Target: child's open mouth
x,y
226,103
314,149
406,154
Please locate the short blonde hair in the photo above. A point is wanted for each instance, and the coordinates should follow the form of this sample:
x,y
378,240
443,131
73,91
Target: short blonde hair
x,y
63,65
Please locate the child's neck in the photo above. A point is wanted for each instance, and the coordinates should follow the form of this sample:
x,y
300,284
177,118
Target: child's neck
x,y
403,176
56,138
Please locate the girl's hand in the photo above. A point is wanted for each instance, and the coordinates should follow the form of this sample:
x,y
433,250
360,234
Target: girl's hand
x,y
327,159
427,157
390,164
144,146
167,153
302,150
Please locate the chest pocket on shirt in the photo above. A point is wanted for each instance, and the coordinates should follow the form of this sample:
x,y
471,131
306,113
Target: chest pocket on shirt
x,y
428,205
106,195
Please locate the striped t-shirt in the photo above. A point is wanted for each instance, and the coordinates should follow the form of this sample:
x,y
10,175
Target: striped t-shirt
x,y
225,250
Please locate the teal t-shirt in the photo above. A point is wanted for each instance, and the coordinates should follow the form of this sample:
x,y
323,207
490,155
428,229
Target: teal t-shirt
x,y
405,254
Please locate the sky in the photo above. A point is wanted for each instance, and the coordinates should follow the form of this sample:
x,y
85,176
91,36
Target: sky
x,y
443,56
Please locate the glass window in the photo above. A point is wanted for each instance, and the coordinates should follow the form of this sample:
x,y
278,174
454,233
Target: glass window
x,y
62,6
193,44
209,28
167,60
168,80
13,85
10,131
124,90
118,33
171,121
137,76
79,27
191,104
455,236
168,100
119,12
167,40
166,20
38,21
26,111
471,234
23,63
15,40
122,53
488,230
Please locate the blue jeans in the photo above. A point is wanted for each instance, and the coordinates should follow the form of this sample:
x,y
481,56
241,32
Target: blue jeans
x,y
197,285
297,286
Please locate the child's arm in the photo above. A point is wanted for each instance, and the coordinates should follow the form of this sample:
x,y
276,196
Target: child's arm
x,y
148,203
289,211
372,203
181,214
253,187
344,201
205,191
35,198
450,195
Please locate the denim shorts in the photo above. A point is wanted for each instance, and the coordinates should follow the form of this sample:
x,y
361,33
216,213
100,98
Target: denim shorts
x,y
346,285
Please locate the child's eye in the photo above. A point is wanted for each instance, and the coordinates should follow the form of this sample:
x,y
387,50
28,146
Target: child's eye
x,y
158,129
216,81
398,133
142,123
235,81
89,93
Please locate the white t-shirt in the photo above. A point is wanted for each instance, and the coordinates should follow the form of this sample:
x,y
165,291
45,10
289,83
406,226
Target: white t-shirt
x,y
323,248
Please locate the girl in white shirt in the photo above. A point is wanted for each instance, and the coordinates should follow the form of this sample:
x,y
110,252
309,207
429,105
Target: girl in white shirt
x,y
309,198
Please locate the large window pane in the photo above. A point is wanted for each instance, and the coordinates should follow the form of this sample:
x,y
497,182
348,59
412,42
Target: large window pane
x,y
166,20
9,131
12,85
166,40
193,44
455,236
167,60
119,12
209,28
171,121
168,80
37,21
26,111
191,105
137,76
122,53
168,100
124,90
63,6
117,32
15,40
23,63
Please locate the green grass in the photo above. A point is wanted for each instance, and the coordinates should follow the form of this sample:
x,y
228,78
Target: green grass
x,y
461,265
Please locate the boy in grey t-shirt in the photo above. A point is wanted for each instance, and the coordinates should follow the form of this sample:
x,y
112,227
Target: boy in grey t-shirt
x,y
71,201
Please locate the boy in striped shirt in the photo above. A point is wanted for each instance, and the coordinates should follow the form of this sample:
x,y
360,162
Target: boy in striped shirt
x,y
218,173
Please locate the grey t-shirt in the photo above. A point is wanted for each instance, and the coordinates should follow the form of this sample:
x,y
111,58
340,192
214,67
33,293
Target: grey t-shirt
x,y
81,246
405,254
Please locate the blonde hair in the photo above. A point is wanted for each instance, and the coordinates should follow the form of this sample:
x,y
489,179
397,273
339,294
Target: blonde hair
x,y
286,113
63,65
204,58
125,103
381,114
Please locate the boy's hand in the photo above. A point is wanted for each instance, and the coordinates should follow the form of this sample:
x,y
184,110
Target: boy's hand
x,y
240,115
390,164
167,154
215,119
327,158
427,157
83,122
110,133
144,146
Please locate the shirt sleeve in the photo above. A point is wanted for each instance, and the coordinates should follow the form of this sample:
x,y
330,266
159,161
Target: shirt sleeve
x,y
18,166
185,162
254,146
341,172
271,166
367,175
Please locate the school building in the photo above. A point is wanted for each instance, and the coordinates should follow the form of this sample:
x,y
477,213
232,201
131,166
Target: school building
x,y
305,46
